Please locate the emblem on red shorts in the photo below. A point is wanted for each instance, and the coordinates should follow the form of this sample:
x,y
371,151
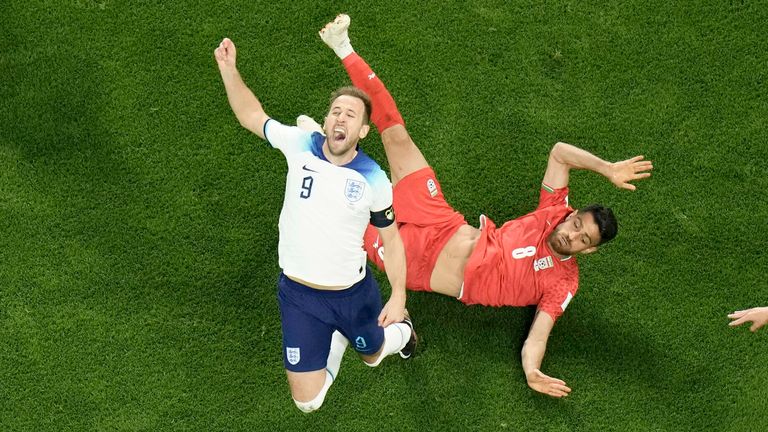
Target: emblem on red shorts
x,y
432,186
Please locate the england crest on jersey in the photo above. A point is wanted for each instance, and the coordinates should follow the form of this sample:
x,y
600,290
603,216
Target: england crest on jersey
x,y
293,355
354,190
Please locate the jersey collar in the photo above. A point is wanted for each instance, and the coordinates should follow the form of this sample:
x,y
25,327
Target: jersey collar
x,y
318,140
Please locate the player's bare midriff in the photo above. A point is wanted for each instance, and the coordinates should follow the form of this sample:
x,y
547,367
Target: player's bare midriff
x,y
316,286
448,274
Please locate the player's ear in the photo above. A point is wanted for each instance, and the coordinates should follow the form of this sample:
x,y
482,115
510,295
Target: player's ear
x,y
364,131
573,213
589,250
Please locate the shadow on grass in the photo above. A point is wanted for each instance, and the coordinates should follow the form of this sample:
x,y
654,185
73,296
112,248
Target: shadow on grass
x,y
469,361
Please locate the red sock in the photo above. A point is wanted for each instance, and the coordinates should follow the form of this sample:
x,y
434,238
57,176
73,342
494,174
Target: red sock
x,y
385,113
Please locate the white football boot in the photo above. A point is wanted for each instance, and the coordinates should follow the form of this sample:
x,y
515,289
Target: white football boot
x,y
335,35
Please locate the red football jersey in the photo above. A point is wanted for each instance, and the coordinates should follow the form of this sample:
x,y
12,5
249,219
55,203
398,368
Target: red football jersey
x,y
513,265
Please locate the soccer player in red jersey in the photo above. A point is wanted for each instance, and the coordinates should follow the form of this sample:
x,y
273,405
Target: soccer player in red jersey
x,y
527,261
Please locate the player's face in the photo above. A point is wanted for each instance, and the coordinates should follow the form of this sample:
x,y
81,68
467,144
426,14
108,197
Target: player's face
x,y
578,233
344,125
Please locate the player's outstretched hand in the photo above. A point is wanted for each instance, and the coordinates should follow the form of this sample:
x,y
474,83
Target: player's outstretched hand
x,y
757,316
623,172
547,385
225,53
393,311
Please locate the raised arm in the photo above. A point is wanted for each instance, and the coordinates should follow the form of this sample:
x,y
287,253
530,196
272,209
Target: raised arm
x,y
564,157
533,353
394,259
247,108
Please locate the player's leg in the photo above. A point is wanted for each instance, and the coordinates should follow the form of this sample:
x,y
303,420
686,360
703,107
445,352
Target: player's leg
x,y
403,155
370,341
399,338
312,351
308,389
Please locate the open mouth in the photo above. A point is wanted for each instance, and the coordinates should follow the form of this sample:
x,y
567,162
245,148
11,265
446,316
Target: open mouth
x,y
563,242
339,135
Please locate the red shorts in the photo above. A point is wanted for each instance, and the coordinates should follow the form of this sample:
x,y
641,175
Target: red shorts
x,y
426,222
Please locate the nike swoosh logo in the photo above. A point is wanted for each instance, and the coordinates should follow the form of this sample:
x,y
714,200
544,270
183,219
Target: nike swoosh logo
x,y
308,169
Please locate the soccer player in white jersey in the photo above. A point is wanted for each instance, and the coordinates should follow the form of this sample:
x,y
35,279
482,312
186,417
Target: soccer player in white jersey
x,y
333,190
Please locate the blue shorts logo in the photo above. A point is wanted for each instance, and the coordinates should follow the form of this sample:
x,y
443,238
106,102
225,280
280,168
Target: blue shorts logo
x,y
293,355
360,343
354,190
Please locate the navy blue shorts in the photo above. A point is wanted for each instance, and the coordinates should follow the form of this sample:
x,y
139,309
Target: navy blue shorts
x,y
310,316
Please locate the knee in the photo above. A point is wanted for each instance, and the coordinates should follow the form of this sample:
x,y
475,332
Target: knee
x,y
373,360
317,402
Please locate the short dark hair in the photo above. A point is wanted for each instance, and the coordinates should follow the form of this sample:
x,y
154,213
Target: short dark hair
x,y
355,92
605,220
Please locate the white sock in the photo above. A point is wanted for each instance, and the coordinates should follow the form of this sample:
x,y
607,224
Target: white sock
x,y
338,347
395,337
344,49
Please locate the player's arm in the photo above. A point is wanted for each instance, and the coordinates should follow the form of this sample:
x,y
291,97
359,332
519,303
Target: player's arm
x,y
757,316
533,353
247,108
565,157
394,257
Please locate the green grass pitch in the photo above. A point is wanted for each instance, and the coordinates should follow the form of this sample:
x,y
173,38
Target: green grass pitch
x,y
138,220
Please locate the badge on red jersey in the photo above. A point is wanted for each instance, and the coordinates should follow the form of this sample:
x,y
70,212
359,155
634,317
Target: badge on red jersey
x,y
543,263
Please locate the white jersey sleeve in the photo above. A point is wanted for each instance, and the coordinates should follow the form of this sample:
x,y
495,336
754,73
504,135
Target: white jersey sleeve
x,y
382,190
288,139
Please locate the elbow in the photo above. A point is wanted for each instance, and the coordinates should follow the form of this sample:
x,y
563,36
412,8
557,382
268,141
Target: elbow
x,y
251,120
557,150
244,123
246,119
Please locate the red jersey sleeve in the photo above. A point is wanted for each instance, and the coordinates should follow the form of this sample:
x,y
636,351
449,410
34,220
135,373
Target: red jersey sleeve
x,y
558,294
549,197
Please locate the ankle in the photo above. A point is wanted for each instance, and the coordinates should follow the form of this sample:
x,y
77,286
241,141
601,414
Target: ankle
x,y
344,49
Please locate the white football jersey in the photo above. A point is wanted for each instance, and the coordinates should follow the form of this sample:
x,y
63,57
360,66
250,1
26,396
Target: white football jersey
x,y
326,208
